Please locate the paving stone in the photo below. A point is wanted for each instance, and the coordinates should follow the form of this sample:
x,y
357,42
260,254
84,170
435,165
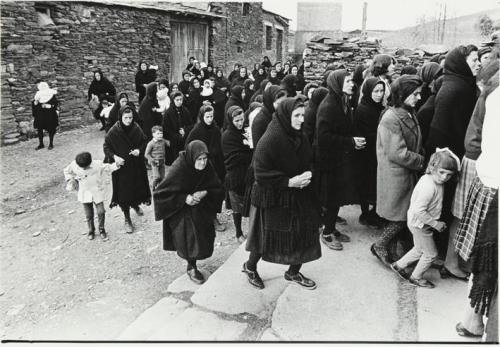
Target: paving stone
x,y
161,314
184,284
196,325
228,290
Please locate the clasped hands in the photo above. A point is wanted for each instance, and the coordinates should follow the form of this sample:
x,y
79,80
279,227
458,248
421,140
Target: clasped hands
x,y
195,198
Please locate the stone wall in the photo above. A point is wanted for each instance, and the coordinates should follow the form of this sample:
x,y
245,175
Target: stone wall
x,y
85,36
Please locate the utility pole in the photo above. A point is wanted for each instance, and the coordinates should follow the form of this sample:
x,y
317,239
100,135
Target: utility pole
x,y
364,34
444,24
439,22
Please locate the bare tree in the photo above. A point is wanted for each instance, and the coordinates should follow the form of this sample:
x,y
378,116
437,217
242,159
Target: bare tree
x,y
485,25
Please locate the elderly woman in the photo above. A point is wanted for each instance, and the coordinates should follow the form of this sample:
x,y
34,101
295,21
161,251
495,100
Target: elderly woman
x,y
335,145
284,216
45,113
187,201
125,144
145,75
100,88
400,159
428,74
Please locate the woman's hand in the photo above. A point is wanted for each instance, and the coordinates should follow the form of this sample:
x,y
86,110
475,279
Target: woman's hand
x,y
191,200
118,160
135,152
359,142
300,181
182,132
199,195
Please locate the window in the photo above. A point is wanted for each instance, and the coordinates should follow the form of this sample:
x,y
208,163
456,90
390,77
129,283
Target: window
x,y
239,49
269,37
246,8
43,13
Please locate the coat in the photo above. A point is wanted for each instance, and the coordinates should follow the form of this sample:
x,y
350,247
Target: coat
x,y
189,230
46,118
334,147
399,157
173,120
130,182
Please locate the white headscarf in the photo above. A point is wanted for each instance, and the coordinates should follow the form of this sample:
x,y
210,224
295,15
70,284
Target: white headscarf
x,y
44,93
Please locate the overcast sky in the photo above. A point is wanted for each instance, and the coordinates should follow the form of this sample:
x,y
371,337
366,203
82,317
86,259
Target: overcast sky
x,y
386,14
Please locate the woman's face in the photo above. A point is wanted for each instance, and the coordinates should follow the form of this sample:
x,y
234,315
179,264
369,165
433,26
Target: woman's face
x,y
196,83
390,70
207,84
161,86
243,72
413,98
348,85
238,121
208,117
144,67
295,70
175,88
256,66
261,71
197,65
485,58
236,67
378,93
219,73
123,101
127,118
201,162
297,118
210,69
178,101
286,67
186,77
273,73
473,62
278,67
97,76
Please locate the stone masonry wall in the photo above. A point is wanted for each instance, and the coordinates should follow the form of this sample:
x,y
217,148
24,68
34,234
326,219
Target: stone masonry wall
x,y
86,36
272,53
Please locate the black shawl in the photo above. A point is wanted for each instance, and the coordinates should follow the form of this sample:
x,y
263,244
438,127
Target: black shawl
x,y
222,82
130,182
143,77
248,93
309,125
263,118
147,116
262,85
197,234
101,88
237,155
211,136
429,72
234,100
114,113
259,78
194,100
219,104
175,119
426,111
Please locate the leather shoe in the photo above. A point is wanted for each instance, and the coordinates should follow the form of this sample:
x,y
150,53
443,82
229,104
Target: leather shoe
x,y
333,244
421,282
301,280
401,272
464,332
196,276
445,273
91,235
342,237
253,277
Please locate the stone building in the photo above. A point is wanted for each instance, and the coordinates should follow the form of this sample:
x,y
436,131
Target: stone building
x,y
317,19
63,42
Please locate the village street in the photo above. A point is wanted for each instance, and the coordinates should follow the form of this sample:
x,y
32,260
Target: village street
x,y
57,284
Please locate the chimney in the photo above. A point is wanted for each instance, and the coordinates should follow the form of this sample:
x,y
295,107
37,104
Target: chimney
x,y
364,35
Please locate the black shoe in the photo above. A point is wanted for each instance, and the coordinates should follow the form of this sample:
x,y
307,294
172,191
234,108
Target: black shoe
x,y
401,272
341,237
363,219
445,273
103,235
331,242
464,332
301,280
253,277
50,147
340,221
422,282
91,235
39,147
196,276
381,253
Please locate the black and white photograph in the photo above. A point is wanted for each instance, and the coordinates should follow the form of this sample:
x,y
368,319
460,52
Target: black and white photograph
x,y
249,172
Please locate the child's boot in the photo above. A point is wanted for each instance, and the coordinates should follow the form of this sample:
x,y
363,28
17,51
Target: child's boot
x,y
91,226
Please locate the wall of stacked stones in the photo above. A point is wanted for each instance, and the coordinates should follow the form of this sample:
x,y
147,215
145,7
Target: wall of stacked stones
x,y
85,37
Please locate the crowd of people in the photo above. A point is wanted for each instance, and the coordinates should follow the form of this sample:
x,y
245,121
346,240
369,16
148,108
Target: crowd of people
x,y
415,150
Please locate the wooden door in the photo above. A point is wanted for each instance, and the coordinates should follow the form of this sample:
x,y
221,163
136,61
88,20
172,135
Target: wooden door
x,y
187,39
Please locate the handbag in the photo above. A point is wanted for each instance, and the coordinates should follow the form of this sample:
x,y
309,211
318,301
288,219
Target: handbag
x,y
94,103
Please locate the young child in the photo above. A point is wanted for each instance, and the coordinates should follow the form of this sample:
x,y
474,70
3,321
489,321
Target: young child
x,y
106,107
425,209
88,174
163,97
155,154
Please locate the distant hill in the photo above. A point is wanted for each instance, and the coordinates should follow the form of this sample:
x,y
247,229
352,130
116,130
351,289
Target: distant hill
x,y
460,30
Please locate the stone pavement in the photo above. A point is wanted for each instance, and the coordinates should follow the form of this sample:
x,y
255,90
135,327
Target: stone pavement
x,y
357,299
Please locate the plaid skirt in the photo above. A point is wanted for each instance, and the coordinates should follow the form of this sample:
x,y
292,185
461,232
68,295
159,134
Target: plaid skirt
x,y
478,201
467,175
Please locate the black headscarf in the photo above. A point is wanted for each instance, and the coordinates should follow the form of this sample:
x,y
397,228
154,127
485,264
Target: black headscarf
x,y
309,126
335,84
456,64
126,128
193,150
368,86
284,113
289,83
409,70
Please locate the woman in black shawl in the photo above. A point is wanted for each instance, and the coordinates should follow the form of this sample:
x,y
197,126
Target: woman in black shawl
x,y
335,144
147,116
125,144
366,119
237,157
428,74
120,101
242,77
235,73
358,79
177,123
219,100
207,131
266,63
145,75
426,111
273,77
284,217
260,75
264,117
102,88
289,83
187,201
221,82
185,83
249,90
194,98
309,127
236,99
